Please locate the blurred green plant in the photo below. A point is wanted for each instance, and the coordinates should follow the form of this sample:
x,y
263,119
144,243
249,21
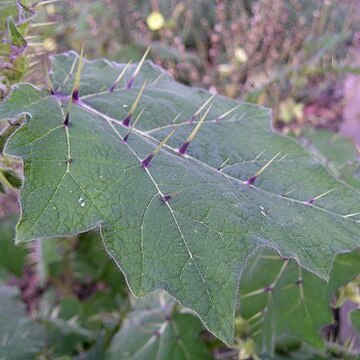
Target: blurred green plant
x,y
15,18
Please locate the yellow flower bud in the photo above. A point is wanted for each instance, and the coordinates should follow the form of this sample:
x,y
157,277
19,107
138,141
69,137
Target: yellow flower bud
x,y
155,21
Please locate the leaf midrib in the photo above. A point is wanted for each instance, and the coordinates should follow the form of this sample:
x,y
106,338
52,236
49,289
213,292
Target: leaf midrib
x,y
109,122
173,152
145,134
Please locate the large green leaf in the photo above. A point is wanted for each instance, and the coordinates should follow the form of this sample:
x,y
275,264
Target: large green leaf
x,y
195,242
155,330
21,337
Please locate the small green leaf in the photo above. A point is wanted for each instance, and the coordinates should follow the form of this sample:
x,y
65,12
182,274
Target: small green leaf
x,y
21,337
65,337
282,298
15,36
12,258
155,330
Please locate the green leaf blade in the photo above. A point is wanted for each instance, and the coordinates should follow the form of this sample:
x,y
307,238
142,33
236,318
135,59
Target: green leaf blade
x,y
15,36
196,244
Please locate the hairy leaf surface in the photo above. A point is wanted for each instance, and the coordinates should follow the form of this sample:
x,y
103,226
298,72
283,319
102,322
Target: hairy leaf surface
x,y
185,223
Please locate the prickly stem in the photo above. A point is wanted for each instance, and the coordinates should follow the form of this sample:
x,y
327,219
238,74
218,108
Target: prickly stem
x,y
119,78
67,119
312,200
45,2
75,90
146,162
127,120
201,108
128,116
192,118
166,198
163,142
221,167
75,95
227,113
76,86
351,215
126,137
39,25
137,70
48,80
183,148
253,178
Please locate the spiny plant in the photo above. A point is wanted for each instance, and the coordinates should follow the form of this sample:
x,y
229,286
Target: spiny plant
x,y
20,49
15,21
183,186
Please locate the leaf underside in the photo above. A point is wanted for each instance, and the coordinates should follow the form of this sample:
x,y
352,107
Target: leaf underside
x,y
195,244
